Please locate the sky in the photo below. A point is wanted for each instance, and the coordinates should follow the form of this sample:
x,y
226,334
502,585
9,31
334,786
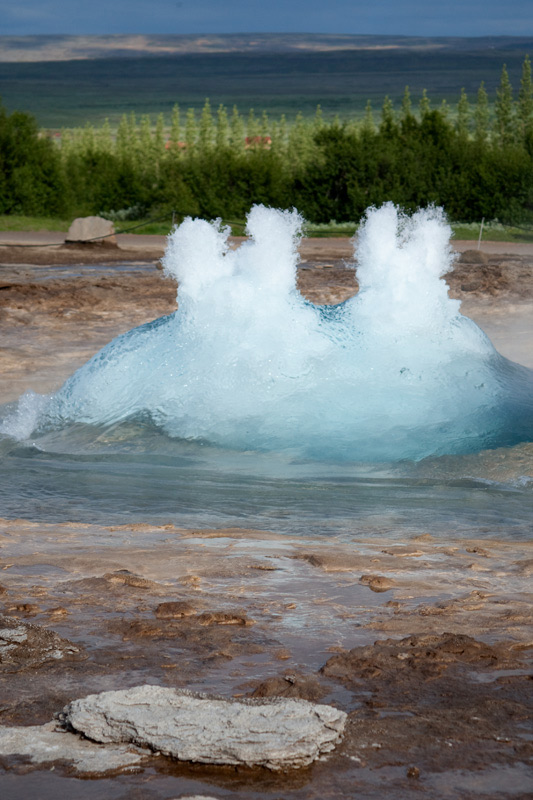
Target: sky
x,y
399,17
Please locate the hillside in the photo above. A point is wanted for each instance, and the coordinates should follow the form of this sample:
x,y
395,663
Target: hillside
x,y
67,81
23,49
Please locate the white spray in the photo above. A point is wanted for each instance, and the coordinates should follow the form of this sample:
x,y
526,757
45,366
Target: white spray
x,y
247,363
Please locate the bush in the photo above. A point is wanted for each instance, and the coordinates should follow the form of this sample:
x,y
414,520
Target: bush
x,y
327,170
31,176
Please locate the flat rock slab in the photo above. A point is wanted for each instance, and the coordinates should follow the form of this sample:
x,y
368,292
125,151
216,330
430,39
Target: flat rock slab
x,y
45,744
278,733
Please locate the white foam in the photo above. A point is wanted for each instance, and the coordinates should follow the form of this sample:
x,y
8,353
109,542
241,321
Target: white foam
x,y
21,422
246,362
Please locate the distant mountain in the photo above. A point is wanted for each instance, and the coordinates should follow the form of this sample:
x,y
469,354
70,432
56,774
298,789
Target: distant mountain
x,y
19,49
67,81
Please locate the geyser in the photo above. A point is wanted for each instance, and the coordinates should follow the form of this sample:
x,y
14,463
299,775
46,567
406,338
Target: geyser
x,y
247,363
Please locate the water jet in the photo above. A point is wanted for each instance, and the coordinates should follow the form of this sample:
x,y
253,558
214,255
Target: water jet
x,y
248,380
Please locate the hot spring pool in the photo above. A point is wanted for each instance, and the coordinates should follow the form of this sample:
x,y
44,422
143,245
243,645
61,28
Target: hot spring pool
x,y
250,406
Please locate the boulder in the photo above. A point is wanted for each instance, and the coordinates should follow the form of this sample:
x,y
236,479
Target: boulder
x,y
473,257
87,229
276,733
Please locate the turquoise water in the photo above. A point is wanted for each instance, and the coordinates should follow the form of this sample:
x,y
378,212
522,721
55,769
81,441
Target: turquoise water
x,y
132,472
252,407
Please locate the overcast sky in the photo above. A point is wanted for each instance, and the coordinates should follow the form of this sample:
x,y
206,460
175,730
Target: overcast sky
x,y
429,18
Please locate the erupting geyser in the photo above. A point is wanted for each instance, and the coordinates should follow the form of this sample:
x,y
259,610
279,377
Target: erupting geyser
x,y
247,363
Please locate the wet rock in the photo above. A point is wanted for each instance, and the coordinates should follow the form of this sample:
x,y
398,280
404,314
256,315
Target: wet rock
x,y
378,583
305,687
480,551
223,618
23,645
477,567
85,229
25,608
473,257
208,636
44,744
330,562
57,611
38,591
486,279
524,567
473,601
127,578
326,286
403,551
175,610
188,727
193,581
422,657
393,604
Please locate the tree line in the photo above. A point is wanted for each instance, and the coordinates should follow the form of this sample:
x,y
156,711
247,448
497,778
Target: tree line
x,y
474,162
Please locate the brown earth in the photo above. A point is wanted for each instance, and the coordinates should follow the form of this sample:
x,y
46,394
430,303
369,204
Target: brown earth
x,y
427,647
446,700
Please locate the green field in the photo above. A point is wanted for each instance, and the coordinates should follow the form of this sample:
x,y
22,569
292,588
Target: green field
x,y
492,232
71,93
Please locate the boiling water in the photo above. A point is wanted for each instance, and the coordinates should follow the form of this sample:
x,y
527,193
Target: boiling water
x,y
251,406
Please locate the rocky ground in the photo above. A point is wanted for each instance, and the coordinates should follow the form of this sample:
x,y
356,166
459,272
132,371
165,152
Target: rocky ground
x,y
426,646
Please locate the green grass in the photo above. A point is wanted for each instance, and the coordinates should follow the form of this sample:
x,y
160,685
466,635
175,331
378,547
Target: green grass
x,y
492,231
19,223
331,229
69,94
13,222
